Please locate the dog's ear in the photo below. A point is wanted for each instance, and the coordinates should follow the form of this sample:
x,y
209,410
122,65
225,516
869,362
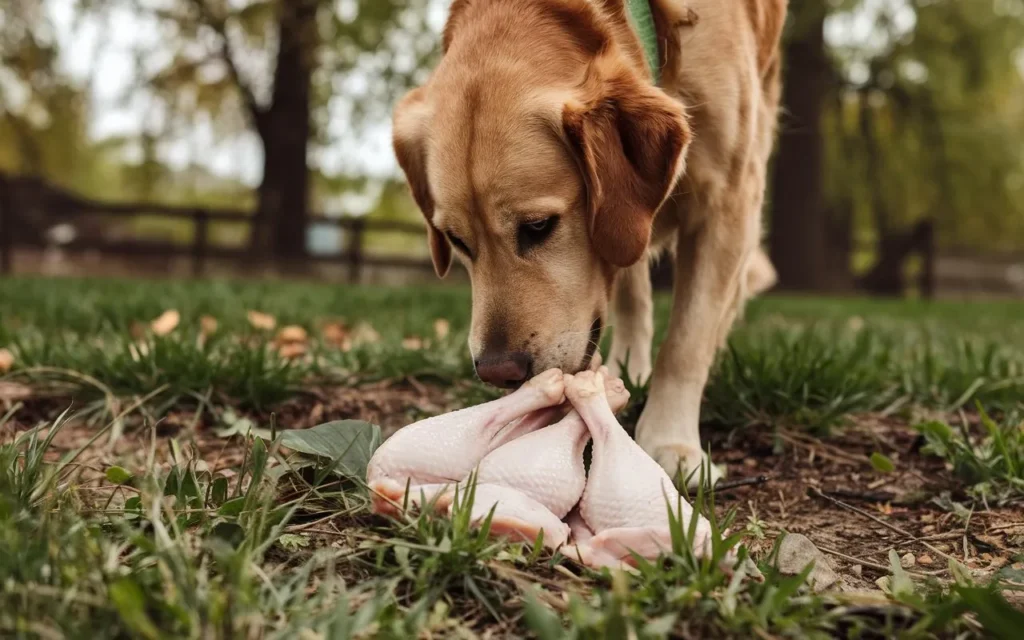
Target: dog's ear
x,y
456,13
629,139
410,127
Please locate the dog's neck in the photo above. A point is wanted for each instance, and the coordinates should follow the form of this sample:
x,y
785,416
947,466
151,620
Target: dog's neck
x,y
636,26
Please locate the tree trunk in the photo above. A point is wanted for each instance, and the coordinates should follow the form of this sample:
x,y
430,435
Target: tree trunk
x,y
282,212
799,225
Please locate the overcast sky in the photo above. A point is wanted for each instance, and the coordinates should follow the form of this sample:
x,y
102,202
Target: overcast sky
x,y
104,53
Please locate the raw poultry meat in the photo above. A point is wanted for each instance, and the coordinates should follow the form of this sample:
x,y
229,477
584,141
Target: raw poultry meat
x,y
547,464
530,476
516,516
535,480
627,495
429,456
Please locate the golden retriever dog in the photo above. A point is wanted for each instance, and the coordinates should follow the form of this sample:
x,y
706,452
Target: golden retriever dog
x,y
546,157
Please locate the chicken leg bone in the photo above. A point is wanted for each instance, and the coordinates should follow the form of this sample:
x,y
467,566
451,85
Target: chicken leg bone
x,y
628,495
426,457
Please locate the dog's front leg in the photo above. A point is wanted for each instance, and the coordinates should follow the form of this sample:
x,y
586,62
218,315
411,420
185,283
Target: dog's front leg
x,y
709,262
633,323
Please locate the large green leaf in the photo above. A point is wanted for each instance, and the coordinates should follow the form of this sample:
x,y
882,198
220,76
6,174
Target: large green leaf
x,y
349,444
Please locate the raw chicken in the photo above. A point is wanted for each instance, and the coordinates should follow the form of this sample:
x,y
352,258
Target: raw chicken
x,y
517,516
547,465
430,456
532,482
625,503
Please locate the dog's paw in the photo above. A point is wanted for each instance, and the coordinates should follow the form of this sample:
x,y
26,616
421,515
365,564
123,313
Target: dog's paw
x,y
685,463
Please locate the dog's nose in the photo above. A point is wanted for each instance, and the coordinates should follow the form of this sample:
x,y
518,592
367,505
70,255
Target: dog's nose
x,y
509,370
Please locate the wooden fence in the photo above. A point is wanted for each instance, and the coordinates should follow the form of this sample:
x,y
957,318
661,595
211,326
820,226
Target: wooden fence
x,y
28,207
16,230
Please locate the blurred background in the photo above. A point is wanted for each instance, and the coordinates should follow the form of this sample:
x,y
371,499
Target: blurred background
x,y
252,137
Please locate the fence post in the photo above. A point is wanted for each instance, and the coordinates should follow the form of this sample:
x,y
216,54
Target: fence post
x,y
200,242
6,227
928,260
357,227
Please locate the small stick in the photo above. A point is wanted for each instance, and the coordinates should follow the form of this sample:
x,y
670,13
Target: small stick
x,y
866,563
740,482
866,496
873,565
818,493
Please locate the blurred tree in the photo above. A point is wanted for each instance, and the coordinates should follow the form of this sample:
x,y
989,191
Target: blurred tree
x,y
43,115
289,70
798,226
919,105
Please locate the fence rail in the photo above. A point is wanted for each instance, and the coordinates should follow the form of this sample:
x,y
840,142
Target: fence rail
x,y
28,206
62,206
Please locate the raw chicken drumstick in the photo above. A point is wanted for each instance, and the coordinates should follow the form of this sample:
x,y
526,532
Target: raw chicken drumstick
x,y
626,499
535,480
431,455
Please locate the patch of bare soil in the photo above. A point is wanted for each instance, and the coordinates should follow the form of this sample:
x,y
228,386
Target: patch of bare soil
x,y
390,404
829,491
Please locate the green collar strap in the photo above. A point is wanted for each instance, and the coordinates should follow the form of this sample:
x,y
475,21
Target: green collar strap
x,y
643,23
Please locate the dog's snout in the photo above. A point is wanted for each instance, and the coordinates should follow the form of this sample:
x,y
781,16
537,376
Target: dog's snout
x,y
508,370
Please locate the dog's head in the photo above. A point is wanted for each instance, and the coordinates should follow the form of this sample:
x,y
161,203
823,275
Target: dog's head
x,y
539,153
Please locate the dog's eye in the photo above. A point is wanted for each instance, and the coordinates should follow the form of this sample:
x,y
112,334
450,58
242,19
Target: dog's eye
x,y
458,244
532,234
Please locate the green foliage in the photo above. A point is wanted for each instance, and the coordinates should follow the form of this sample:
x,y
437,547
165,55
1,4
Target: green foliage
x,y
173,550
796,362
348,444
927,118
990,463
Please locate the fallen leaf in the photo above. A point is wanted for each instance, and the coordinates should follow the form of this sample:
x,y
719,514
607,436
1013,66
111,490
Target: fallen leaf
x,y
336,335
413,343
207,325
363,333
166,323
261,321
441,328
291,334
137,330
292,350
6,360
293,542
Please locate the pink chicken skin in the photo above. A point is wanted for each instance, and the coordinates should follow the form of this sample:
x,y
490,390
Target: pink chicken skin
x,y
430,456
627,495
534,481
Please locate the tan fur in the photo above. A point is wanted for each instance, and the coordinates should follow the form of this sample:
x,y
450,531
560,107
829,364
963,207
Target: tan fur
x,y
544,108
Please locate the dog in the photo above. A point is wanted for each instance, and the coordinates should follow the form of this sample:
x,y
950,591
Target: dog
x,y
545,156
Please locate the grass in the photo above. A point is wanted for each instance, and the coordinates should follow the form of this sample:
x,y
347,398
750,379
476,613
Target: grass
x,y
800,361
276,547
990,463
180,553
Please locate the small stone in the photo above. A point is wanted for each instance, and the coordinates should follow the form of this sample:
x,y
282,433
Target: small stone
x,y
908,561
857,570
925,559
796,552
883,583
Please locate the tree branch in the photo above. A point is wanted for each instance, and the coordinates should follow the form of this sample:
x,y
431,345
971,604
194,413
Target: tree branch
x,y
219,25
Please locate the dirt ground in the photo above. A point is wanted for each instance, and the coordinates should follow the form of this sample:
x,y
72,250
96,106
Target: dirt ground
x,y
824,488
